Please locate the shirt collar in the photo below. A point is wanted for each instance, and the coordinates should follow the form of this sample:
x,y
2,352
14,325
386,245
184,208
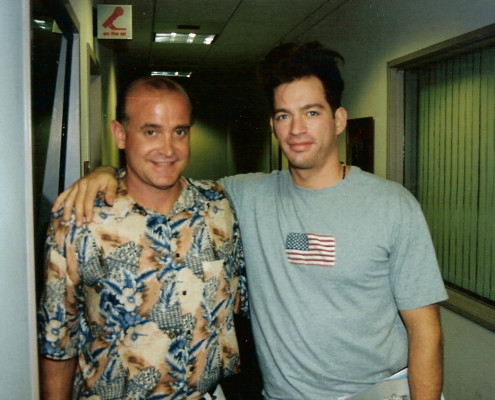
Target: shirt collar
x,y
188,198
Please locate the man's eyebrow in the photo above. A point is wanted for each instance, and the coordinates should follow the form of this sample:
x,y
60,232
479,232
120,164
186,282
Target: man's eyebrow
x,y
305,107
278,110
185,126
148,125
314,105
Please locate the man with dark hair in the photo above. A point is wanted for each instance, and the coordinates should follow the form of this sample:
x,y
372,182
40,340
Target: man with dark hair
x,y
139,302
289,62
343,278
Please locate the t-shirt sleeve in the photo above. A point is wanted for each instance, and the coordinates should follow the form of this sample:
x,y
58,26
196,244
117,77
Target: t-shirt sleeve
x,y
58,316
415,275
239,187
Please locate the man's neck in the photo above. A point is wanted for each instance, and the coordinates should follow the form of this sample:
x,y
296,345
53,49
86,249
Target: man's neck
x,y
328,176
159,200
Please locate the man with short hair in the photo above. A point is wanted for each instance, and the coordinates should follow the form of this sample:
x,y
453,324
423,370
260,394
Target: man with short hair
x,y
343,278
139,302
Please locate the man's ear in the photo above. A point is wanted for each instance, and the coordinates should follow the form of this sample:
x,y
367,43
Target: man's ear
x,y
119,134
340,120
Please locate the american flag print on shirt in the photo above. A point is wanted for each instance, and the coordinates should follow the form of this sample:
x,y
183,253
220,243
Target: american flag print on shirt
x,y
310,249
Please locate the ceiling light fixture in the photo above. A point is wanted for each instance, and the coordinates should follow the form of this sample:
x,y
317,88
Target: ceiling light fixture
x,y
177,74
188,38
42,24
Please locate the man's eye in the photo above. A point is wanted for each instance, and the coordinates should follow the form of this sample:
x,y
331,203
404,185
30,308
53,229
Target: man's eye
x,y
281,117
312,113
150,132
181,132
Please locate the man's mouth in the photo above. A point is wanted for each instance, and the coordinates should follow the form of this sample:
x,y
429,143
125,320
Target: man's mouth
x,y
300,146
162,163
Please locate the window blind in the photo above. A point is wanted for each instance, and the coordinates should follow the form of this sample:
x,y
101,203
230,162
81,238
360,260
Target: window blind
x,y
456,166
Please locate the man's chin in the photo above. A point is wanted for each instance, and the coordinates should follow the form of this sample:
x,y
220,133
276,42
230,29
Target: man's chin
x,y
301,164
164,186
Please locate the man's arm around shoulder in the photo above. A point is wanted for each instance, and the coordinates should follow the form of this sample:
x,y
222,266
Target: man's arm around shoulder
x,y
425,366
56,378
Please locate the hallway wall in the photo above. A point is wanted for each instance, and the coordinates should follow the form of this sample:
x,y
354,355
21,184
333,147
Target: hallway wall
x,y
18,368
84,13
231,131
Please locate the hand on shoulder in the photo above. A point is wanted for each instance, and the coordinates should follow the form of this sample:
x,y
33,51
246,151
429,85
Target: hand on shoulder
x,y
81,194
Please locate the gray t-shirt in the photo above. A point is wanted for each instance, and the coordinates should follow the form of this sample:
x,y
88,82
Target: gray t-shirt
x,y
327,272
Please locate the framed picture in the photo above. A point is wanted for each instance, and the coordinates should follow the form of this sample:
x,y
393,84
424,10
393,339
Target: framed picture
x,y
360,143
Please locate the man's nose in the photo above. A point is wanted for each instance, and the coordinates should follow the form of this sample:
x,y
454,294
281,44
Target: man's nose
x,y
167,145
298,125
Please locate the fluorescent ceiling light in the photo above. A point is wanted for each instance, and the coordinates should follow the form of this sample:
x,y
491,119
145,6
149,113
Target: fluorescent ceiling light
x,y
188,38
42,24
179,74
50,26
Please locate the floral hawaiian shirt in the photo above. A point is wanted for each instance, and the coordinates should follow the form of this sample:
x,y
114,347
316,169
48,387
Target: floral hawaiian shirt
x,y
146,301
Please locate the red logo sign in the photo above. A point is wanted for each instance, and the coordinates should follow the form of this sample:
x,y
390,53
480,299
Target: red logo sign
x,y
118,12
114,21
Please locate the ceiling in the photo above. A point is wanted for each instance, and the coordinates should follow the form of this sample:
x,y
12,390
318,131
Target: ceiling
x,y
246,30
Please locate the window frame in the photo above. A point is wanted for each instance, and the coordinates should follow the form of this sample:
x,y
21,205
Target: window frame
x,y
460,301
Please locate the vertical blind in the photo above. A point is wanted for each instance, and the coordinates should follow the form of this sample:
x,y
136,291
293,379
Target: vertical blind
x,y
456,166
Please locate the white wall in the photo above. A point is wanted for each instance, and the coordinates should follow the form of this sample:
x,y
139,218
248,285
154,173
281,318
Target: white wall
x,y
369,34
18,375
18,350
469,359
84,14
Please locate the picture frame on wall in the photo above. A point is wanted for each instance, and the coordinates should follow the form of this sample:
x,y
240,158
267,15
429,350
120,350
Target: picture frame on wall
x,y
360,143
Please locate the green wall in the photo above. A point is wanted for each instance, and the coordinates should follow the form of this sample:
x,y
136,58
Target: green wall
x,y
231,132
